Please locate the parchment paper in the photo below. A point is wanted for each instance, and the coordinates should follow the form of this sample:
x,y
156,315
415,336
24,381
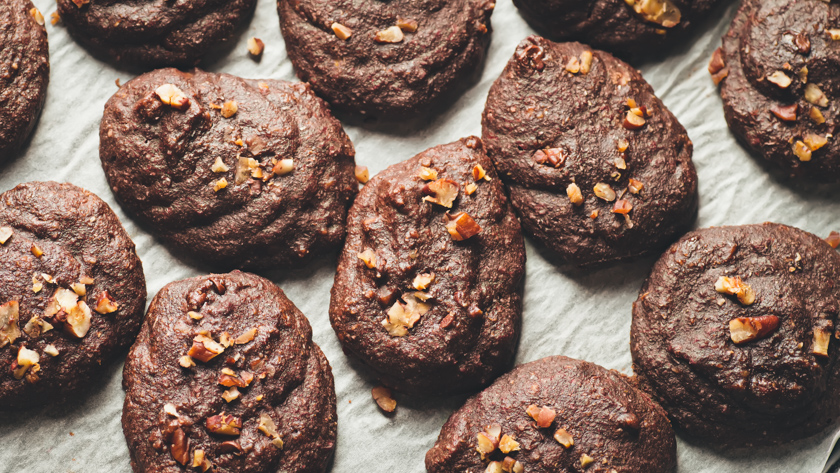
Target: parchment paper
x,y
579,314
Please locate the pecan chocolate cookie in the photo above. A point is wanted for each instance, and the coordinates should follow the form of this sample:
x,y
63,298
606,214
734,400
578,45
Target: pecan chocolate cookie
x,y
72,291
597,168
631,26
239,173
225,377
428,288
779,74
557,414
385,58
24,72
153,33
733,333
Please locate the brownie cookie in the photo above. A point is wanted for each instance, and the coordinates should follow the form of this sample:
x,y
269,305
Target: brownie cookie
x,y
627,26
239,173
225,377
385,58
72,291
779,70
557,414
597,168
428,288
24,72
153,33
732,331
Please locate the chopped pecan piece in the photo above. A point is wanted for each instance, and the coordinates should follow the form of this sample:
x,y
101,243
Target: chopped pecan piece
x,y
779,78
224,424
5,234
9,329
172,96
735,287
746,329
392,34
205,348
564,438
508,444
461,226
105,304
833,239
180,448
256,46
383,398
342,32
821,339
441,192
785,112
230,108
362,174
574,193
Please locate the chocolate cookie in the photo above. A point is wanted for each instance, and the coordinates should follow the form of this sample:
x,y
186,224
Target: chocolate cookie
x,y
225,377
780,72
627,26
732,333
239,173
428,288
24,72
386,58
72,291
557,414
597,168
153,33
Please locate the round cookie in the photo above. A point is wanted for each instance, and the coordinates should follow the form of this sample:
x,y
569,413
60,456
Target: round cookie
x,y
385,58
428,288
733,334
72,292
597,168
153,33
238,173
779,74
624,26
225,375
24,72
557,414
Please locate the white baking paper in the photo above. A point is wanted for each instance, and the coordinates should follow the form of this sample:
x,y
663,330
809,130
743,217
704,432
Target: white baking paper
x,y
579,314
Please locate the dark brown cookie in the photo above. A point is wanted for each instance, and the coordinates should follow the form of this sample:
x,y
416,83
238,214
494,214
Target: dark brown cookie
x,y
428,287
153,33
733,334
552,415
24,72
625,26
72,291
596,166
225,375
780,72
239,173
385,58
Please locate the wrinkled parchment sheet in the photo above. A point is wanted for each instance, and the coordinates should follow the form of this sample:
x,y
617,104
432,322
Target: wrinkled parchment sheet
x,y
567,311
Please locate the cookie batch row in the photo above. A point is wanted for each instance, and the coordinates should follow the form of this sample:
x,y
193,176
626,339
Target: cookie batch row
x,y
731,333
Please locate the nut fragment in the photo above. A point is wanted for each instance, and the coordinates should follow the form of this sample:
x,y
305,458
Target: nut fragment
x,y
494,467
834,34
508,444
427,173
470,188
231,395
815,95
821,339
172,96
382,396
735,287
79,288
392,34
255,46
36,326
105,304
622,206
37,16
441,192
362,174
205,348
51,350
230,108
544,416
817,116
402,317
283,167
632,121
575,196
409,26
814,141
186,361
368,257
220,184
342,32
510,465
246,336
461,226
479,173
745,329
717,67
219,166
9,329
488,441
26,359
564,438
586,460
269,428
550,156
585,62
5,234
573,65
604,191
180,448
80,3
833,239
78,320
422,281
224,424
662,12
780,79
801,151
635,186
